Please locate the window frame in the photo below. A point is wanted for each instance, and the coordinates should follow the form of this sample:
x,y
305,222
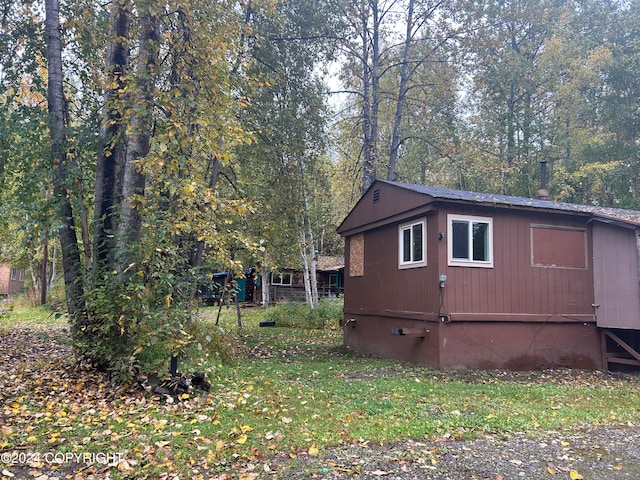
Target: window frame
x,y
409,226
469,261
281,275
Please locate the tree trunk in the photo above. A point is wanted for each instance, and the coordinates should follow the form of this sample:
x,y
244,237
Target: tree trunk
x,y
311,249
138,141
57,132
375,86
43,272
402,93
266,286
368,142
305,268
111,155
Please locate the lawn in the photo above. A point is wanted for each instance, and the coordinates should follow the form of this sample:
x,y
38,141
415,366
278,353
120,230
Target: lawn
x,y
289,394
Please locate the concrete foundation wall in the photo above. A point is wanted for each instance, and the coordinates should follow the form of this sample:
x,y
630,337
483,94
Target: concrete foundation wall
x,y
479,345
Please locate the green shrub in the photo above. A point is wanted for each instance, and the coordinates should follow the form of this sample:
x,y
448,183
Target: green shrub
x,y
299,315
212,343
137,324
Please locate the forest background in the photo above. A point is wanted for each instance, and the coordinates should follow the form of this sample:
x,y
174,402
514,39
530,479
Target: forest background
x,y
144,143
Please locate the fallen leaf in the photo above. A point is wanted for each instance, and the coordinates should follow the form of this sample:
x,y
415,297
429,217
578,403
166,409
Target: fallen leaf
x,y
313,450
552,471
242,439
123,466
575,475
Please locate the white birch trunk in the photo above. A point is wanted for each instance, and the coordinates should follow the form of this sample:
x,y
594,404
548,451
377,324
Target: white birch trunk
x,y
305,264
266,286
310,257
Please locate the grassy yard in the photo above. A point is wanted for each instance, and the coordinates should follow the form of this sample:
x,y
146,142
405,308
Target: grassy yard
x,y
290,393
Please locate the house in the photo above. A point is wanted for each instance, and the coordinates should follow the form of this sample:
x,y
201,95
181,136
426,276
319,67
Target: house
x,y
212,289
457,279
288,284
11,280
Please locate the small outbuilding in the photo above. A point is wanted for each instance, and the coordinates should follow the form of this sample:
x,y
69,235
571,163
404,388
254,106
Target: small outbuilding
x,y
11,280
287,284
457,279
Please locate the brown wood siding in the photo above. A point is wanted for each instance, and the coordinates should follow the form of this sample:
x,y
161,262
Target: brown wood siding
x,y
558,247
615,272
514,289
514,286
387,290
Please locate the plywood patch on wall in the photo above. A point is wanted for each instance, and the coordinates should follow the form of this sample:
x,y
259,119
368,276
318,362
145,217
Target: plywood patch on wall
x,y
558,247
356,255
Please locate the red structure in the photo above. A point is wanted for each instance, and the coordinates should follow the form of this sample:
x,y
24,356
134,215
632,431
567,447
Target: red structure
x,y
458,279
11,280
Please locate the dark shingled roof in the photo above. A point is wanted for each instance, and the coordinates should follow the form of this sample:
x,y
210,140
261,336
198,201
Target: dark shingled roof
x,y
604,213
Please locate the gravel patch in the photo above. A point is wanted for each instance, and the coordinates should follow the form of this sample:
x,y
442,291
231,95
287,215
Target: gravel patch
x,y
594,454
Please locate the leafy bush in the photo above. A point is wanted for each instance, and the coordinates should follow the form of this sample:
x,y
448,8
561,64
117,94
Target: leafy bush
x,y
139,323
213,343
299,315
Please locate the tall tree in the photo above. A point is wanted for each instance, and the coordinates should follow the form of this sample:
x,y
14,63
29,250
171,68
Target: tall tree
x,y
504,45
59,162
380,71
288,115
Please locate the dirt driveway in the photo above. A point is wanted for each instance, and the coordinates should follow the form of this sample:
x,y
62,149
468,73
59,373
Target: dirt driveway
x,y
591,454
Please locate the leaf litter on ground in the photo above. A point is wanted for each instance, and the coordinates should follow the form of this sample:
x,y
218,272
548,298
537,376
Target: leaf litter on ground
x,y
60,421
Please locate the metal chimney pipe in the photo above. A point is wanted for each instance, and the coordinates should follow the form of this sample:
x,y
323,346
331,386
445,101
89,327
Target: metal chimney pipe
x,y
543,192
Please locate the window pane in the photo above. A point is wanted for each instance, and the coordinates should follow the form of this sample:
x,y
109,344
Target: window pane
x,y
460,239
406,245
286,279
417,242
481,242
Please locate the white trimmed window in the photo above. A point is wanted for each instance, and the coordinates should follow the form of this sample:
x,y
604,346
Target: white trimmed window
x,y
412,244
278,278
470,241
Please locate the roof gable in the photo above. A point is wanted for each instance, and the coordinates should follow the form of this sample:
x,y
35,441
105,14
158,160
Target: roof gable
x,y
382,200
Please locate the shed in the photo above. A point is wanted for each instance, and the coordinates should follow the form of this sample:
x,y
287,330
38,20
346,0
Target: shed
x,y
458,279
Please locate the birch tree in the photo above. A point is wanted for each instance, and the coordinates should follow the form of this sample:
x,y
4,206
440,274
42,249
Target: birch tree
x,y
380,73
288,115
